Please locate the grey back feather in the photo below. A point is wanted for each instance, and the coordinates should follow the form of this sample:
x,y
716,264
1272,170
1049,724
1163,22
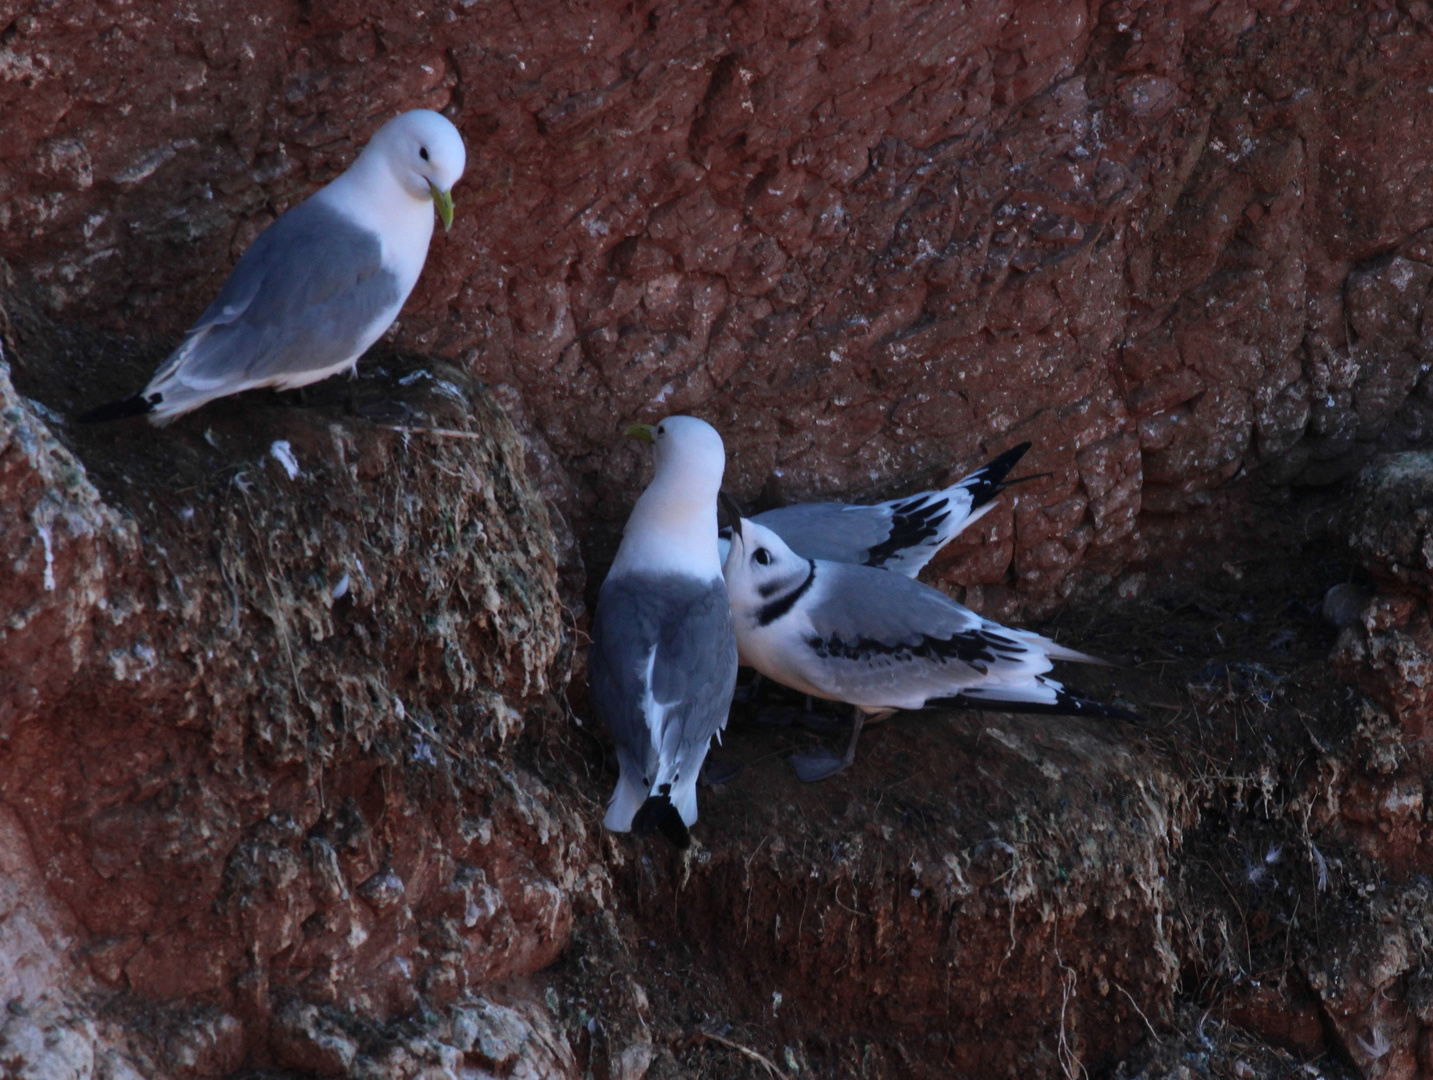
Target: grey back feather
x,y
300,299
829,530
861,602
688,622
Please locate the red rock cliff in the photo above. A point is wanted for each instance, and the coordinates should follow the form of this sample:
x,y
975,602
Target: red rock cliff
x,y
1175,244
1184,248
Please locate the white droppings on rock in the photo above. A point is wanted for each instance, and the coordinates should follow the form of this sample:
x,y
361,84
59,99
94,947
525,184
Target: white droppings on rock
x,y
43,528
451,391
283,453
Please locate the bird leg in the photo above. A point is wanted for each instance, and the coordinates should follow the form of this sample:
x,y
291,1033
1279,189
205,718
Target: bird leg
x,y
818,762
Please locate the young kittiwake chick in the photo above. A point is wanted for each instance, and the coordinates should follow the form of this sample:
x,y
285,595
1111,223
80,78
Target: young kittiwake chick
x,y
321,283
882,642
662,664
900,535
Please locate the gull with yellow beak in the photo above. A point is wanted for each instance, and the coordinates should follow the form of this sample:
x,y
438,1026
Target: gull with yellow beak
x,y
662,665
322,283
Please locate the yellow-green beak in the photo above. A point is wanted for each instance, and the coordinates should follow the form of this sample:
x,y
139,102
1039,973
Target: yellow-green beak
x,y
443,200
642,432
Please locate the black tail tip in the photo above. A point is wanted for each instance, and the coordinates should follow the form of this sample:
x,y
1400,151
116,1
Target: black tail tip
x,y
1065,704
134,405
989,481
658,814
1079,705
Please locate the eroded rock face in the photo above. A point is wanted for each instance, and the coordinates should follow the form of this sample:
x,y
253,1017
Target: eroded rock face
x,y
988,894
1374,984
261,686
1172,243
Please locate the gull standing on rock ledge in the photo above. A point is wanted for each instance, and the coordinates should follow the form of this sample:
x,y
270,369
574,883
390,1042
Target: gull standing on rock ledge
x,y
662,664
882,642
322,283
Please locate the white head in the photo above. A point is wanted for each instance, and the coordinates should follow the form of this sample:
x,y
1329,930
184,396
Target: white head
x,y
424,153
690,451
760,568
673,525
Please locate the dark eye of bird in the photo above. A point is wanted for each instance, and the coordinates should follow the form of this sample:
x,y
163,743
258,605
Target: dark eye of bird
x,y
423,152
762,557
661,430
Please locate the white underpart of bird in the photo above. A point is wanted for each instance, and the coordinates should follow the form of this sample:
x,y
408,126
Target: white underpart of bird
x,y
901,535
323,282
662,664
881,642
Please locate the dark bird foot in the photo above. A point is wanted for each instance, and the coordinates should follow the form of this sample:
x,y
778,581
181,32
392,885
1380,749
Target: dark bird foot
x,y
718,769
818,763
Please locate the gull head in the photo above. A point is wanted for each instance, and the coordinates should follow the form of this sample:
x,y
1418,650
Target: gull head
x,y
425,154
688,452
760,568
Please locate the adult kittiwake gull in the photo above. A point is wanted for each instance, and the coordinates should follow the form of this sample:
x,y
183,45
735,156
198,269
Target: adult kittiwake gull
x,y
882,642
900,535
662,664
321,283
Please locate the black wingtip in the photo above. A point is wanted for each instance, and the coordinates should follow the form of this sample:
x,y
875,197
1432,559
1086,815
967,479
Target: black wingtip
x,y
134,405
1065,704
989,480
1078,705
658,814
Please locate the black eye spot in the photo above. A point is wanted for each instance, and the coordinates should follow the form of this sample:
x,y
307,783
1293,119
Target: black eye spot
x,y
762,557
661,430
423,152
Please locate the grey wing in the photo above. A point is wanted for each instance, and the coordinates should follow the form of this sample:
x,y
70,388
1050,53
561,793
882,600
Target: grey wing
x,y
695,673
676,632
618,661
831,531
304,297
900,535
881,639
863,603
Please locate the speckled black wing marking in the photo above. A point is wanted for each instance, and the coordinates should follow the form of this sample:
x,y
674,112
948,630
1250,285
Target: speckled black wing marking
x,y
917,520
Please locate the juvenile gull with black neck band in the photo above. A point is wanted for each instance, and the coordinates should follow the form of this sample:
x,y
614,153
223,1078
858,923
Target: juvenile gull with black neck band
x,y
882,642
